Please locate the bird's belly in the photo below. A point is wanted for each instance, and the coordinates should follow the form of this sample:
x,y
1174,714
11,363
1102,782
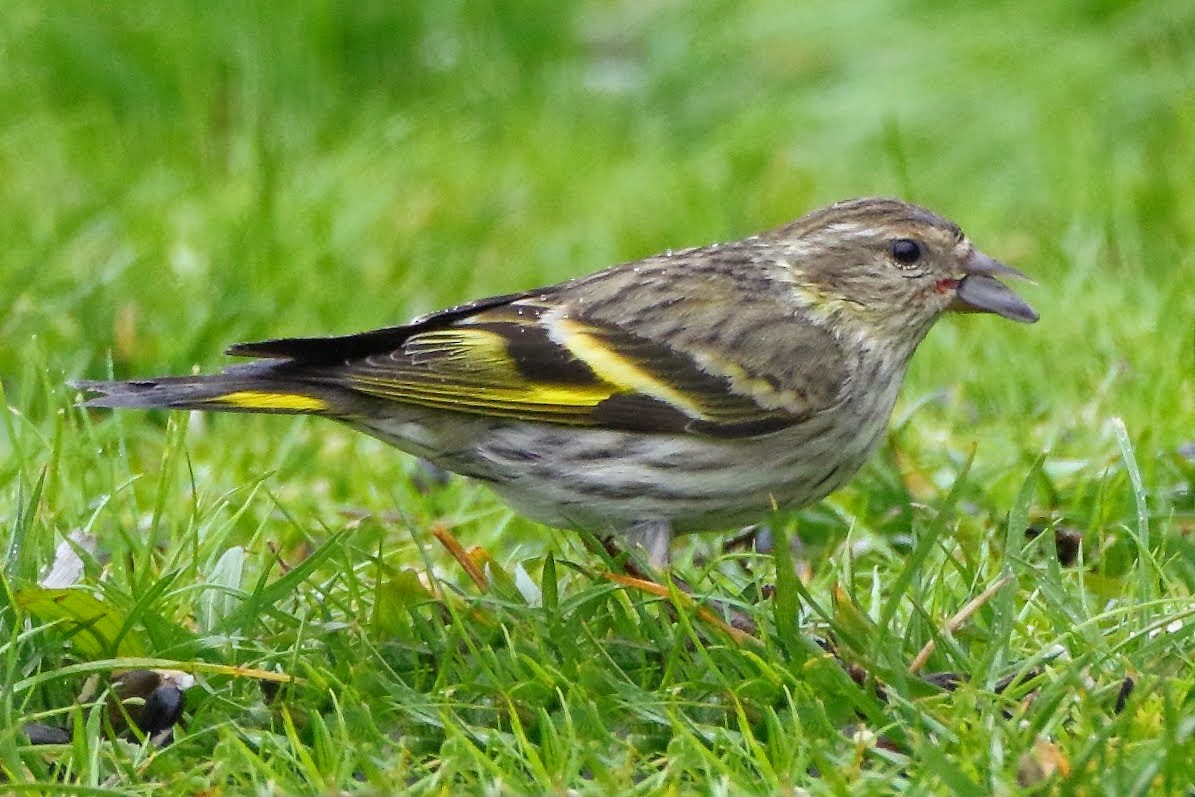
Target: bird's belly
x,y
602,479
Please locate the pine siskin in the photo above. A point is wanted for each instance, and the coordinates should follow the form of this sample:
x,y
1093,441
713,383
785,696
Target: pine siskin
x,y
693,390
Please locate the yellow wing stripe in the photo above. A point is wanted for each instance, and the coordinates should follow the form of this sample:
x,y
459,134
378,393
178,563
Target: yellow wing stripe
x,y
473,372
541,397
624,373
260,400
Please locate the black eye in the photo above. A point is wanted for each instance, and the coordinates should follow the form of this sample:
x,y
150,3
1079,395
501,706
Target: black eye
x,y
906,251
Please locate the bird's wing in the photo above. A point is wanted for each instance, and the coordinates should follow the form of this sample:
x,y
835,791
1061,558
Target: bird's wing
x,y
543,357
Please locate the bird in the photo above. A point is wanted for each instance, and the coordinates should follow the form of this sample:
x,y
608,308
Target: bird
x,y
694,390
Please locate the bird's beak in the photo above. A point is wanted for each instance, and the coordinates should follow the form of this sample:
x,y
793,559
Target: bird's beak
x,y
980,292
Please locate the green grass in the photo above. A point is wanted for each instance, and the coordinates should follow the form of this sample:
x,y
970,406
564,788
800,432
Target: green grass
x,y
178,177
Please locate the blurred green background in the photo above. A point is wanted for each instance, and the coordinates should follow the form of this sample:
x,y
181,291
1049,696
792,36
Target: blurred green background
x,y
180,176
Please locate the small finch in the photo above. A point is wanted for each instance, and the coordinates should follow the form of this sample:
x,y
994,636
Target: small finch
x,y
689,391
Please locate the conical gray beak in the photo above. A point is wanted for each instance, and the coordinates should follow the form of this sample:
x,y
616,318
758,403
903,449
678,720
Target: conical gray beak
x,y
980,292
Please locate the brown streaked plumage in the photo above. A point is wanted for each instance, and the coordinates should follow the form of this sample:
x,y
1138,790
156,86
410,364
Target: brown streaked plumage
x,y
687,391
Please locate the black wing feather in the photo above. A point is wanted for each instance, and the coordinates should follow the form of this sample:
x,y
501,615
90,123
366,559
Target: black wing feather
x,y
341,348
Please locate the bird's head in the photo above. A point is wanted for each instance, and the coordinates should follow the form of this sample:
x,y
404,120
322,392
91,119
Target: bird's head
x,y
888,268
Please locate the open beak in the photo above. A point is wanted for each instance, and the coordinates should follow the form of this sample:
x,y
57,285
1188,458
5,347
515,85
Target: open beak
x,y
980,292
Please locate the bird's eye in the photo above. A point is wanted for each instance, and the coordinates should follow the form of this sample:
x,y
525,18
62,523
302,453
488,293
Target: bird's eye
x,y
906,251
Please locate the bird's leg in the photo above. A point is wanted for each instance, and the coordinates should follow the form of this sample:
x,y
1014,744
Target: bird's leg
x,y
654,537
761,539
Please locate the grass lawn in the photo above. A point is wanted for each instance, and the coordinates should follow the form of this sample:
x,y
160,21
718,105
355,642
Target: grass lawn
x,y
179,176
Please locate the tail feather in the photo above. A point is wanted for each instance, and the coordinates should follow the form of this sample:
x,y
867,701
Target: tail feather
x,y
227,392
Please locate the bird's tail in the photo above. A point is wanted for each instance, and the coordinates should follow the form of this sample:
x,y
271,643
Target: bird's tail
x,y
255,387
